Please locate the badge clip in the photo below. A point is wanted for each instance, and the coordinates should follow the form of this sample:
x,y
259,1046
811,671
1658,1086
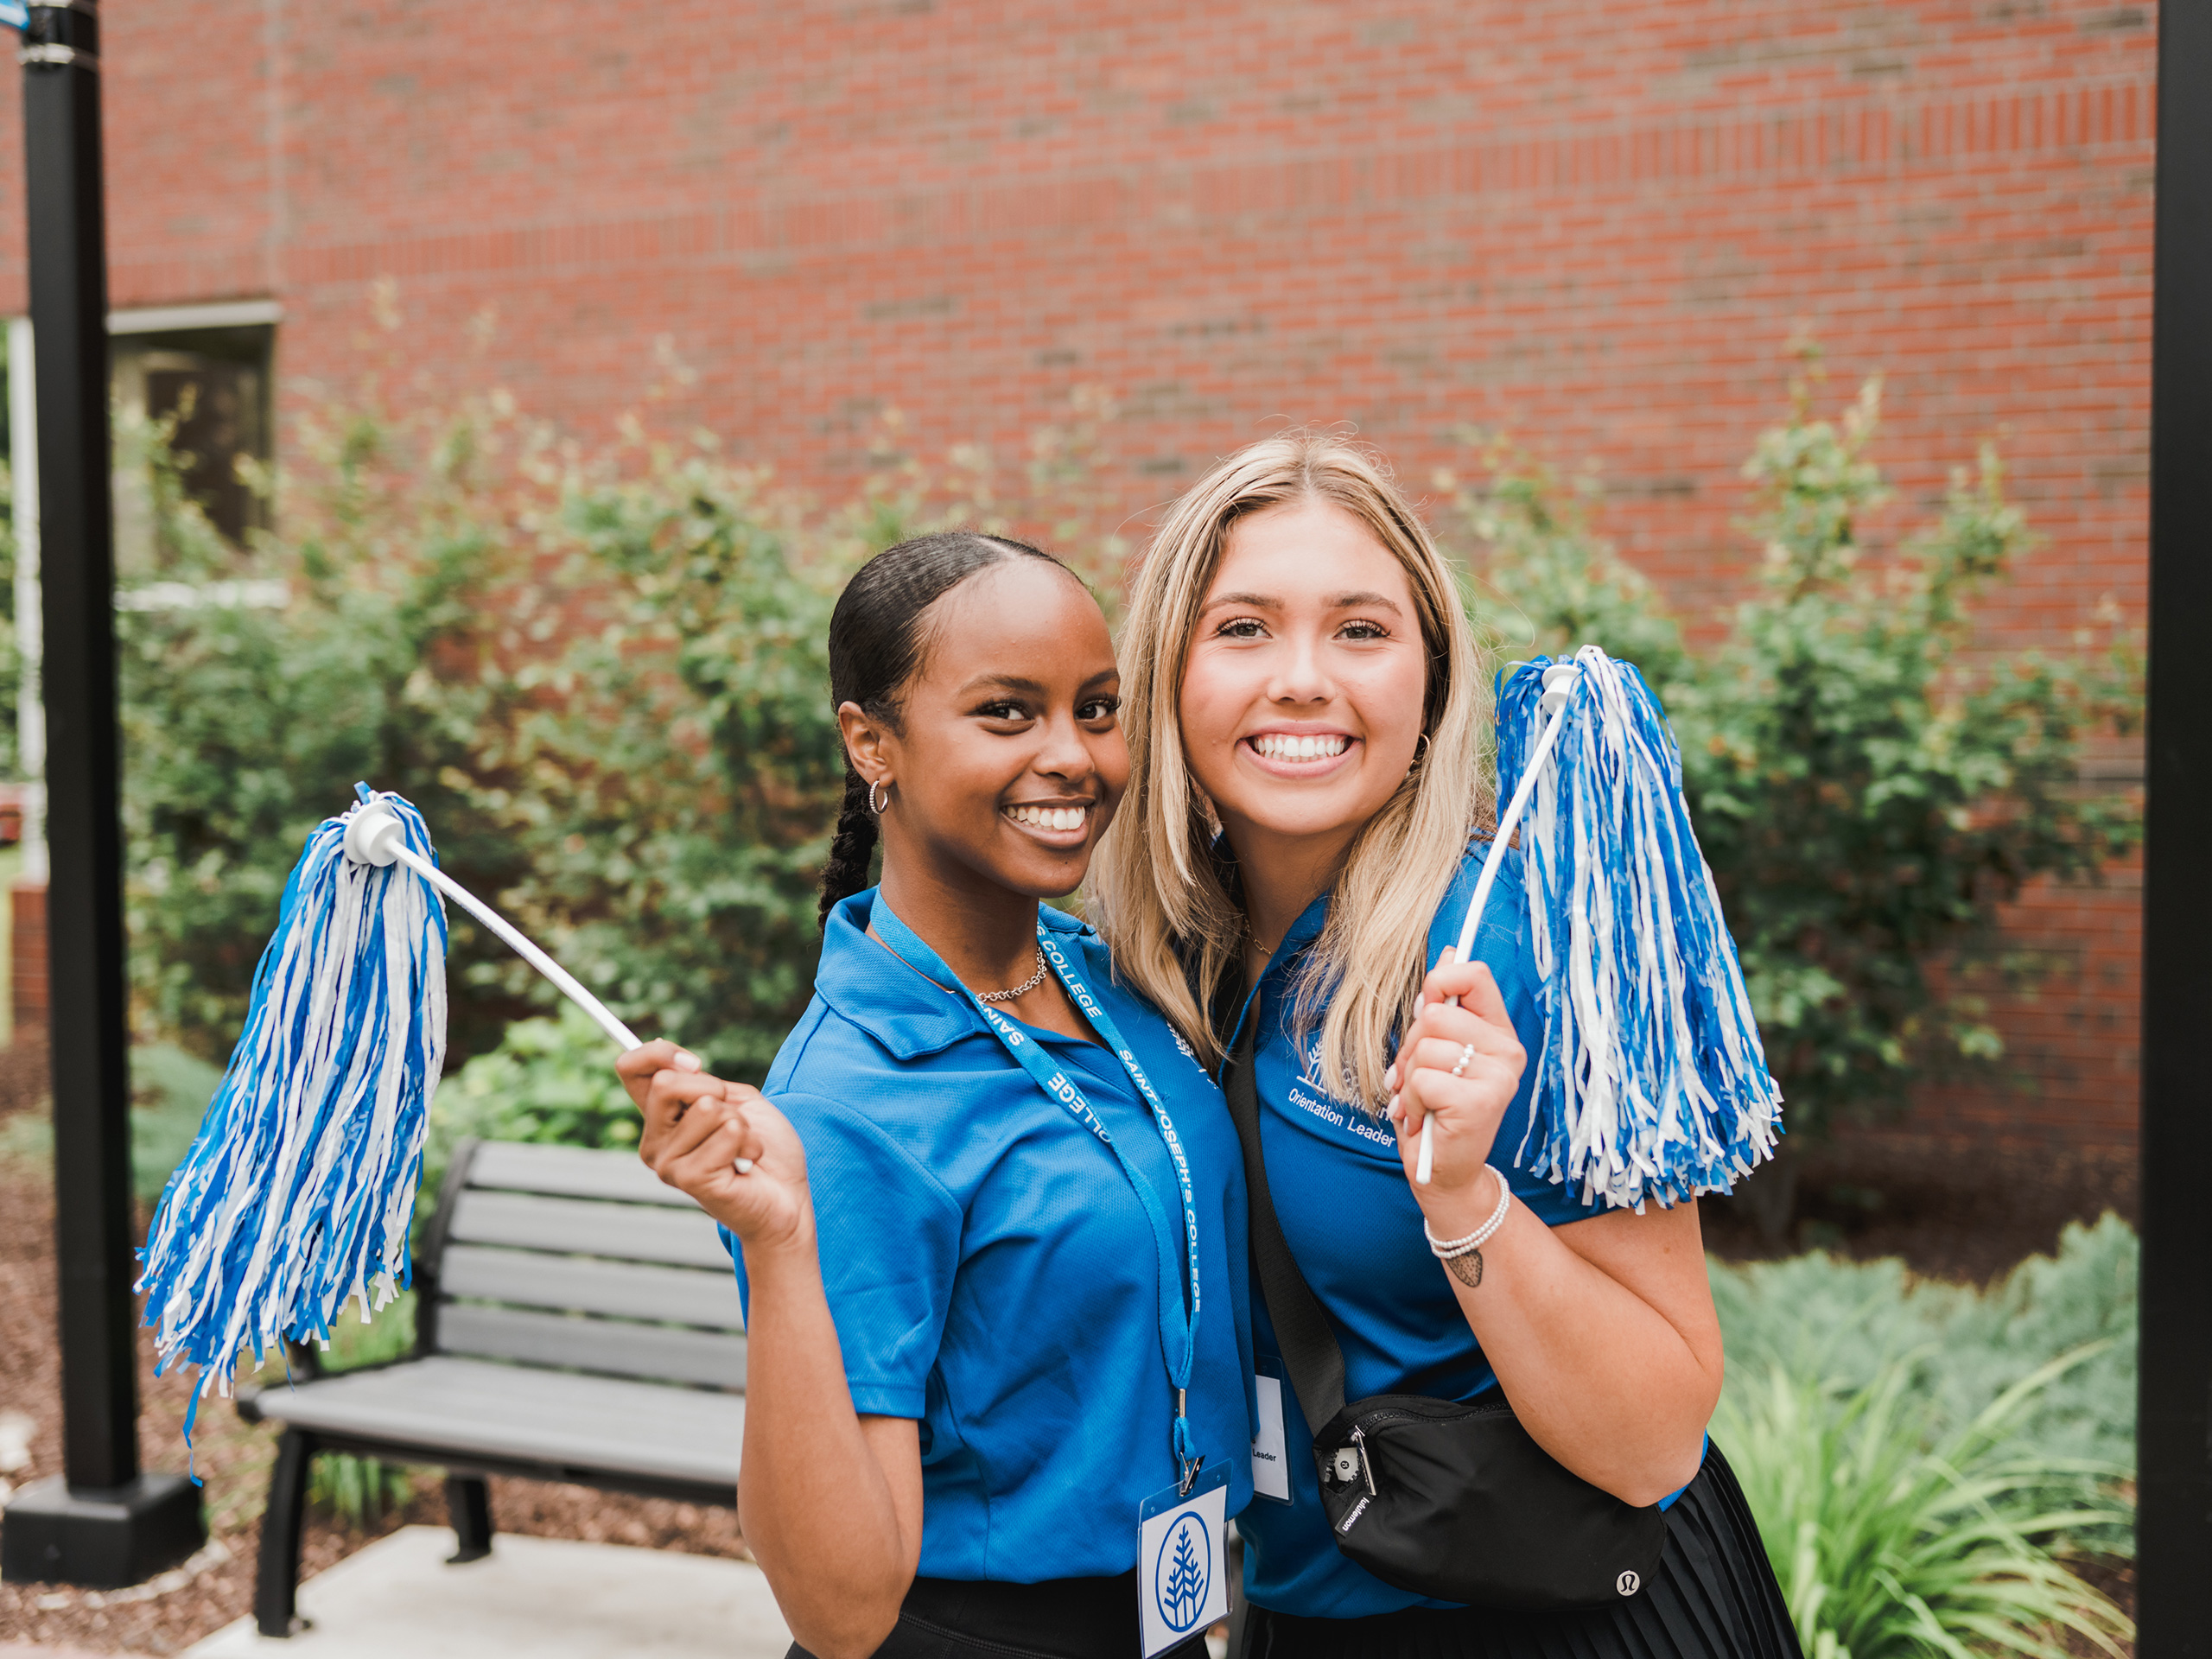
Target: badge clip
x,y
1186,1467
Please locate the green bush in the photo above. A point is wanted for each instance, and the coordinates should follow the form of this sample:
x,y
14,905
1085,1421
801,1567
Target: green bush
x,y
1892,1542
682,763
601,678
549,1081
1844,1321
169,1090
1923,1457
244,725
1868,788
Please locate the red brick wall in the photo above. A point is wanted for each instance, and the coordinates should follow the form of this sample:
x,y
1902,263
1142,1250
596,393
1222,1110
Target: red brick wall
x,y
26,958
1597,224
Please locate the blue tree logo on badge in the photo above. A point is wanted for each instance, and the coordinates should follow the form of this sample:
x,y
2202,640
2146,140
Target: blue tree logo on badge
x,y
1183,1572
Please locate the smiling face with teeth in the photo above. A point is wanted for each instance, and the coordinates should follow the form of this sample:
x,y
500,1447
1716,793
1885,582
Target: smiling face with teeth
x,y
1007,760
1303,693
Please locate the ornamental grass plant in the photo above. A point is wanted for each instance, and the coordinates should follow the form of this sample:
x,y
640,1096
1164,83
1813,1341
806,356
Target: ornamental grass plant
x,y
1934,1466
1892,1542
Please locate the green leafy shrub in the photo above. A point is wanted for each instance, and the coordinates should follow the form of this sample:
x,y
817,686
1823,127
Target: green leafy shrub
x,y
1549,582
1867,789
1893,1543
683,765
1923,1458
601,678
550,1081
246,724
169,1090
1844,1321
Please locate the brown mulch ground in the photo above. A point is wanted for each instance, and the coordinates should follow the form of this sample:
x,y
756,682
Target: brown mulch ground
x,y
1952,1209
233,1459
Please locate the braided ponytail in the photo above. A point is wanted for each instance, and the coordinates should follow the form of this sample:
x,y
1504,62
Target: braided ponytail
x,y
876,649
845,873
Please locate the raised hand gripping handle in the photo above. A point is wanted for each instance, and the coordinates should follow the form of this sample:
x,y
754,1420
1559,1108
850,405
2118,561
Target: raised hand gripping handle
x,y
1559,680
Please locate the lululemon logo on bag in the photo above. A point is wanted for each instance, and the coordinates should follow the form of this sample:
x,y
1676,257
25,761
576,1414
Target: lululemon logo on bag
x,y
1183,1573
1628,1584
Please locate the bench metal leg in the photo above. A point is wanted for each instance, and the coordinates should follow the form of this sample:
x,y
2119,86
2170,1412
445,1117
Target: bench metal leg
x,y
277,1578
468,1503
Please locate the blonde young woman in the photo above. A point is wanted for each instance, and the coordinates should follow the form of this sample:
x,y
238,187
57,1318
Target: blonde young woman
x,y
1306,706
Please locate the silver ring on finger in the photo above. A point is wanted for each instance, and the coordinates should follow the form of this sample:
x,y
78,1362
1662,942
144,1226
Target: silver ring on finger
x,y
1467,1054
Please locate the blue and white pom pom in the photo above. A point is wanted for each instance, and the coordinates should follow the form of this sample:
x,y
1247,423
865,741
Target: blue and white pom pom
x,y
297,1193
1651,1083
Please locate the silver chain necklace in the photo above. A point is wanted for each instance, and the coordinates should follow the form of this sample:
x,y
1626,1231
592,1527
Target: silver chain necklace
x,y
1022,989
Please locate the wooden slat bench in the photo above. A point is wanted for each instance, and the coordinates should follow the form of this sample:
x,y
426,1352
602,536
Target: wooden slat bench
x,y
575,1320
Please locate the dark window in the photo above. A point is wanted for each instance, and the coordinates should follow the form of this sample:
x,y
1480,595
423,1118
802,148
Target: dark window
x,y
213,384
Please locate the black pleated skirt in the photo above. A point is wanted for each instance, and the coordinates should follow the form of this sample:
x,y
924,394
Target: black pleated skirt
x,y
1713,1596
1061,1618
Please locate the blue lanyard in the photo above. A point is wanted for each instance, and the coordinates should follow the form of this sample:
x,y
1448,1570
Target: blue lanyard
x,y
1179,1324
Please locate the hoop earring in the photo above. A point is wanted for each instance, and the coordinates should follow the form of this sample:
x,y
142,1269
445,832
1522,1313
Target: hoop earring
x,y
872,806
1421,754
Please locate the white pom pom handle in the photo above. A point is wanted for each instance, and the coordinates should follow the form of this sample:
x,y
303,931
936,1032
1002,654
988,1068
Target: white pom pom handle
x,y
375,836
1559,680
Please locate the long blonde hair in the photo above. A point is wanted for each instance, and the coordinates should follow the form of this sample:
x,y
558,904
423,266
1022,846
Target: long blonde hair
x,y
1159,896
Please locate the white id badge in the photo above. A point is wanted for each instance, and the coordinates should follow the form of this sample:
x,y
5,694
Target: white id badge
x,y
1183,1560
1270,1471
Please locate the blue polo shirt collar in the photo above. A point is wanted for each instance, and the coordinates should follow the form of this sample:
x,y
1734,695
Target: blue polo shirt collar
x,y
872,989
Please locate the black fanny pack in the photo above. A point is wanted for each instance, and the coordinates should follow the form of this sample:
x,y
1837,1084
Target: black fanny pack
x,y
1443,1498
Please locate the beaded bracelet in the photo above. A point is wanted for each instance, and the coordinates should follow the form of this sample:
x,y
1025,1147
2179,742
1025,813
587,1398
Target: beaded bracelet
x,y
1464,1255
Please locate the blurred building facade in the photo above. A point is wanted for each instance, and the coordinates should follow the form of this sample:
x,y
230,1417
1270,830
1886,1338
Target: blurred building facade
x,y
1598,227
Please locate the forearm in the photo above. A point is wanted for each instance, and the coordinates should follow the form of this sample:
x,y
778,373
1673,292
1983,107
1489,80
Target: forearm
x,y
817,1509
1604,1381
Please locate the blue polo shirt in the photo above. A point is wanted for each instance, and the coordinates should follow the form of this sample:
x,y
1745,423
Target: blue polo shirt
x,y
990,1270
1350,1218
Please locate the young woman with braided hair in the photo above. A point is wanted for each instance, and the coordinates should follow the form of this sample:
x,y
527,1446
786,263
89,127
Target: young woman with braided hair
x,y
987,1211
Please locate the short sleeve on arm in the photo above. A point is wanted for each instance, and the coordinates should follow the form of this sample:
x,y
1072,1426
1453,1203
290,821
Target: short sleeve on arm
x,y
889,1234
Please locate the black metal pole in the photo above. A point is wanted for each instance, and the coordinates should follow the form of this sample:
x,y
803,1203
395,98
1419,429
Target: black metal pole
x,y
2174,1434
92,1091
103,1523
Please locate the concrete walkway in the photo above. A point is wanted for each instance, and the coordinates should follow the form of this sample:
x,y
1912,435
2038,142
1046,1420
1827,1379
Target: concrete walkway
x,y
544,1598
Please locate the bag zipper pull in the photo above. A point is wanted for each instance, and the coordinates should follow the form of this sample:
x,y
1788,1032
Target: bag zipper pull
x,y
1366,1470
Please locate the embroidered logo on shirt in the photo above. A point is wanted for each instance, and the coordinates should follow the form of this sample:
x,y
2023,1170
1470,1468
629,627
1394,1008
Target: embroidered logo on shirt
x,y
1329,1107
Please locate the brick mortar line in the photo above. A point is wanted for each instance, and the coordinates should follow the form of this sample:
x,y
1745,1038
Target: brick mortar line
x,y
1816,141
